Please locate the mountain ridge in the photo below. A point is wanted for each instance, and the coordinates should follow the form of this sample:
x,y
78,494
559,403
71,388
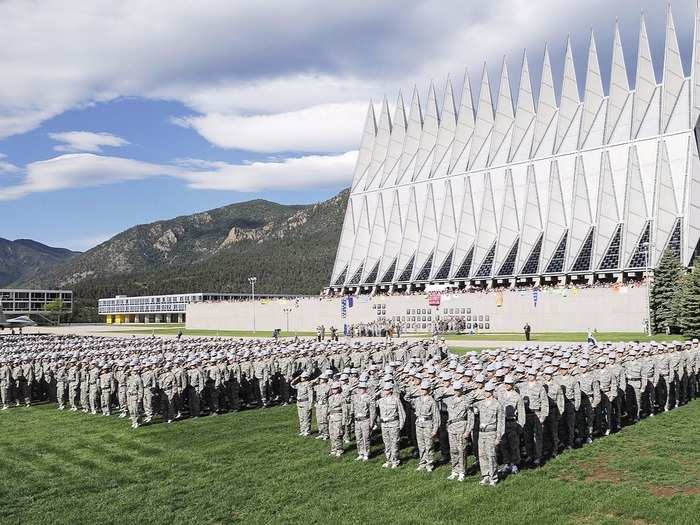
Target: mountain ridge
x,y
290,248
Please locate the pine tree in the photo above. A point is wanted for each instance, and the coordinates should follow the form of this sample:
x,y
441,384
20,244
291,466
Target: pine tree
x,y
691,303
666,293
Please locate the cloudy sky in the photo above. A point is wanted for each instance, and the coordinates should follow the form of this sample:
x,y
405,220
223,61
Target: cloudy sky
x,y
115,113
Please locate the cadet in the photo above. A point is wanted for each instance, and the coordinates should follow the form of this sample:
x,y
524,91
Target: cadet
x,y
572,401
106,387
321,393
5,382
168,384
120,375
94,387
134,394
363,413
515,420
304,402
392,417
492,422
148,377
536,403
194,380
60,375
459,423
336,418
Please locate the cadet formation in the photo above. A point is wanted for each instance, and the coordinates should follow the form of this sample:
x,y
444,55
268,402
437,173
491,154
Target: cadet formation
x,y
508,408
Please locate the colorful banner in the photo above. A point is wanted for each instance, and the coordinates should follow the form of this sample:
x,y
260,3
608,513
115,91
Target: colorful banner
x,y
434,299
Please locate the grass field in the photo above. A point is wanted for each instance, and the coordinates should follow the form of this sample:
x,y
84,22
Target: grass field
x,y
72,468
208,333
562,337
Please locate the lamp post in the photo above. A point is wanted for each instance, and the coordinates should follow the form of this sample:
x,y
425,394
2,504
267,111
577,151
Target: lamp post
x,y
287,310
647,271
252,281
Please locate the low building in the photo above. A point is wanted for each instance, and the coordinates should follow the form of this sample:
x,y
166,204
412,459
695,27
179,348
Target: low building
x,y
161,308
34,302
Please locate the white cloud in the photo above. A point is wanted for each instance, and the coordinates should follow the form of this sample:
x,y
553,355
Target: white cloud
x,y
79,141
5,166
71,53
83,170
313,171
324,128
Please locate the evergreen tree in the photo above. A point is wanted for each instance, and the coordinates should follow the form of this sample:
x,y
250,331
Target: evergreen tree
x,y
666,294
691,303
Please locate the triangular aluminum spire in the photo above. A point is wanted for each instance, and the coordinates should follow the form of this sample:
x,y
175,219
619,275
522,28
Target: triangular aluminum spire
x,y
645,85
619,94
381,146
483,125
359,250
504,116
428,233
665,204
466,230
446,134
447,234
635,213
692,203
411,234
347,240
464,130
593,96
568,106
488,228
556,215
394,234
376,240
674,77
695,73
532,218
364,156
428,138
608,214
524,117
546,109
509,226
581,217
410,145
398,134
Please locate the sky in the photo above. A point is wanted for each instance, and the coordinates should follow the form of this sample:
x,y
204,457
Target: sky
x,y
123,112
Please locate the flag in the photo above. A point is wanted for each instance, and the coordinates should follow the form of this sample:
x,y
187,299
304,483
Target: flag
x,y
499,299
534,297
350,301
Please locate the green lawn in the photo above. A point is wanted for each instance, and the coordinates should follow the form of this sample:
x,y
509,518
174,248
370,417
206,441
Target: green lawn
x,y
208,333
559,336
73,468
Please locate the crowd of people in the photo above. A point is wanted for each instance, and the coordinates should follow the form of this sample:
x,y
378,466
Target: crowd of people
x,y
385,328
509,408
145,377
482,289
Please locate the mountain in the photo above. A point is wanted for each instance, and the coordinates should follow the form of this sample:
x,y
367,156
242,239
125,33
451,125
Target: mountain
x,y
25,259
289,248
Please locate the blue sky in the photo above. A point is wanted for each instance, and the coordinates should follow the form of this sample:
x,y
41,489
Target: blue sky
x,y
128,112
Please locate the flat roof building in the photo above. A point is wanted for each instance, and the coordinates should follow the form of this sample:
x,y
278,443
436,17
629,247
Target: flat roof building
x,y
163,308
27,302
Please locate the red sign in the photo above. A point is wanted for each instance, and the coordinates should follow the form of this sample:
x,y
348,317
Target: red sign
x,y
434,299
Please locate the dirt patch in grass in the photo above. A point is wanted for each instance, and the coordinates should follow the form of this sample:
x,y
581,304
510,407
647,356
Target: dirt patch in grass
x,y
661,491
598,470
